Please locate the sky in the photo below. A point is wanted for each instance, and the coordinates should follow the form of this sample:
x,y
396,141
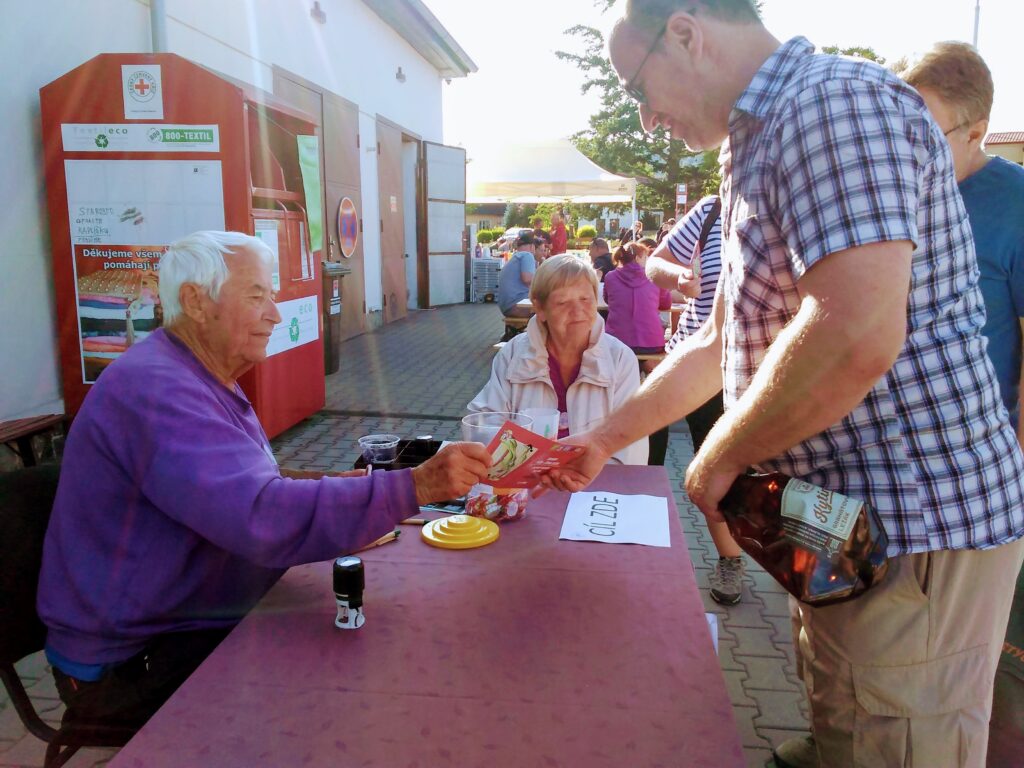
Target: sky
x,y
523,93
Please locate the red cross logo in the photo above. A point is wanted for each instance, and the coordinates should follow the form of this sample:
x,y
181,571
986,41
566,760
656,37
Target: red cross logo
x,y
142,87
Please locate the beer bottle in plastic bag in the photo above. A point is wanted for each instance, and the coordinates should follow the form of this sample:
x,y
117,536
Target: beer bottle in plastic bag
x,y
822,546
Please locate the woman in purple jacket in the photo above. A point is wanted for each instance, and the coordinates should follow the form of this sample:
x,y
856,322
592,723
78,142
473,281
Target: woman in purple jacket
x,y
634,303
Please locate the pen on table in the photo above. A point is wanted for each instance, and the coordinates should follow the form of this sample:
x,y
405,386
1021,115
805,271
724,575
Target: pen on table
x,y
415,521
385,539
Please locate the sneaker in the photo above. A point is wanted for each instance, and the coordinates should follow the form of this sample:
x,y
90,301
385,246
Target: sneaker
x,y
800,752
727,580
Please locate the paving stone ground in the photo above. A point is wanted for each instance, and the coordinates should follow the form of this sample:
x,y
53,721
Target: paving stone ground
x,y
428,364
415,377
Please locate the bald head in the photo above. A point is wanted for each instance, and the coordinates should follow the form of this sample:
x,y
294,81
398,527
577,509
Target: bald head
x,y
686,63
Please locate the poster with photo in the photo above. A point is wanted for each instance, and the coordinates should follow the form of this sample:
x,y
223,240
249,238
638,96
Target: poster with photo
x,y
123,215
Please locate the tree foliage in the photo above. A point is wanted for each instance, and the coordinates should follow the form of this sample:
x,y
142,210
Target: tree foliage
x,y
864,52
606,5
857,51
524,214
616,140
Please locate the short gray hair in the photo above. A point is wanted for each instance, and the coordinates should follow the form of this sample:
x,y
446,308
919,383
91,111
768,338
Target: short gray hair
x,y
650,15
557,272
199,259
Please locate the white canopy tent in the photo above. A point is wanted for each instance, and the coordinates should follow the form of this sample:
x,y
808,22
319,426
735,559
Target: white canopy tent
x,y
551,172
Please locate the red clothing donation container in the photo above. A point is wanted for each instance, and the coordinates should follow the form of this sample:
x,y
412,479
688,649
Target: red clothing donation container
x,y
142,149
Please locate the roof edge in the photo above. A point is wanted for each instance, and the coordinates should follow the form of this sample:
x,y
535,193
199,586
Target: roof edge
x,y
419,27
1005,137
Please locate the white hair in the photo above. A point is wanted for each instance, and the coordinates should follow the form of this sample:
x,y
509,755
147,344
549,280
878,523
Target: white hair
x,y
199,259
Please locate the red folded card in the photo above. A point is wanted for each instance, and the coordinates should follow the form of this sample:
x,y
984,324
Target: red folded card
x,y
519,457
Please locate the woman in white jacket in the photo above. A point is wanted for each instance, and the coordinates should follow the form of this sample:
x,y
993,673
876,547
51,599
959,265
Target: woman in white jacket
x,y
565,360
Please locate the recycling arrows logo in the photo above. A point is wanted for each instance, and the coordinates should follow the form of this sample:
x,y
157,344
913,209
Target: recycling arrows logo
x,y
101,141
293,330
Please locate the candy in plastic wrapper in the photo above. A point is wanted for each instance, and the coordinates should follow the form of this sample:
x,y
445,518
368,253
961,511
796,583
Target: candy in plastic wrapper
x,y
497,504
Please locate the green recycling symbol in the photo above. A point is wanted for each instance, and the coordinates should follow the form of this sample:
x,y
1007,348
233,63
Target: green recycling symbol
x,y
101,141
293,330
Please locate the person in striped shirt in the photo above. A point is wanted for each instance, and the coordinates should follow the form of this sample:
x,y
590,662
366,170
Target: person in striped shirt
x,y
689,260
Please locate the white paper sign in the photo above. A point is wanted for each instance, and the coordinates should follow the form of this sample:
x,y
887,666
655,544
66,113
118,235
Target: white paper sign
x,y
712,620
143,90
300,324
616,519
307,262
266,230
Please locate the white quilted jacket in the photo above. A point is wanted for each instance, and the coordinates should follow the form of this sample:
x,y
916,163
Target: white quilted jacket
x,y
609,374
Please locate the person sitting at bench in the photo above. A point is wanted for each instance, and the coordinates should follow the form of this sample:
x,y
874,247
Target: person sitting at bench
x,y
634,303
564,360
515,277
172,518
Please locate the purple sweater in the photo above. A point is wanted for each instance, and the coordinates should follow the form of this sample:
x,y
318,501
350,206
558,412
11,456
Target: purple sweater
x,y
633,305
171,514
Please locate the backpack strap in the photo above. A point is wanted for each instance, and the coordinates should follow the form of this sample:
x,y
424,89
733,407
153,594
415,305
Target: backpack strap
x,y
709,222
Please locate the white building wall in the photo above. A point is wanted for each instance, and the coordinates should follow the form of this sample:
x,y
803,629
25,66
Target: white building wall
x,y
354,54
36,52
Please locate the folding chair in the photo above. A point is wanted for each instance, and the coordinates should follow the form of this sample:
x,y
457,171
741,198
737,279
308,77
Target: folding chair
x,y
26,499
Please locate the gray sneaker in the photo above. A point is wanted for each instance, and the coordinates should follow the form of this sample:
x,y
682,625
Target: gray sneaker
x,y
727,580
799,752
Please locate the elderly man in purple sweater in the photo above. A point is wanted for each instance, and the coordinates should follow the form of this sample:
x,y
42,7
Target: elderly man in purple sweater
x,y
172,517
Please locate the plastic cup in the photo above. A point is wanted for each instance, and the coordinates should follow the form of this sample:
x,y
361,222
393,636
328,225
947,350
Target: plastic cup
x,y
545,421
496,504
482,427
379,449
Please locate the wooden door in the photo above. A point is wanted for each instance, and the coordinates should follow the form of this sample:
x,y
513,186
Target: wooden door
x,y
392,221
443,255
341,163
339,137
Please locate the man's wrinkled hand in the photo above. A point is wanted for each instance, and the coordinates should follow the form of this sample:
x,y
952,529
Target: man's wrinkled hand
x,y
451,472
581,471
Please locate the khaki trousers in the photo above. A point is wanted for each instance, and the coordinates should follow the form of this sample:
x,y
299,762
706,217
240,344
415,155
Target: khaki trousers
x,y
902,676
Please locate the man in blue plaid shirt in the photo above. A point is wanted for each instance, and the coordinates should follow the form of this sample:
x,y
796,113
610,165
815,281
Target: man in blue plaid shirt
x,y
847,335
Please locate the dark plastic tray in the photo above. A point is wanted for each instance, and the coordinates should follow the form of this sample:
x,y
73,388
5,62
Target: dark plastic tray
x,y
411,453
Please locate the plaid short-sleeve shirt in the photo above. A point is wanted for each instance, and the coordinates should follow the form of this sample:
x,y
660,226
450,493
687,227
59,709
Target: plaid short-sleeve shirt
x,y
826,154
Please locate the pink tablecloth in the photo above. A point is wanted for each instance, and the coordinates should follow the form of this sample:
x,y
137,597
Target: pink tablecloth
x,y
529,652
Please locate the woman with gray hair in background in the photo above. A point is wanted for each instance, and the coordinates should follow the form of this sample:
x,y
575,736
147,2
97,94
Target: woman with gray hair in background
x,y
565,360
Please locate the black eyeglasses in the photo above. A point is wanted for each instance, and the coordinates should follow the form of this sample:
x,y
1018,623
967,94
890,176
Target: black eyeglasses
x,y
955,128
632,90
